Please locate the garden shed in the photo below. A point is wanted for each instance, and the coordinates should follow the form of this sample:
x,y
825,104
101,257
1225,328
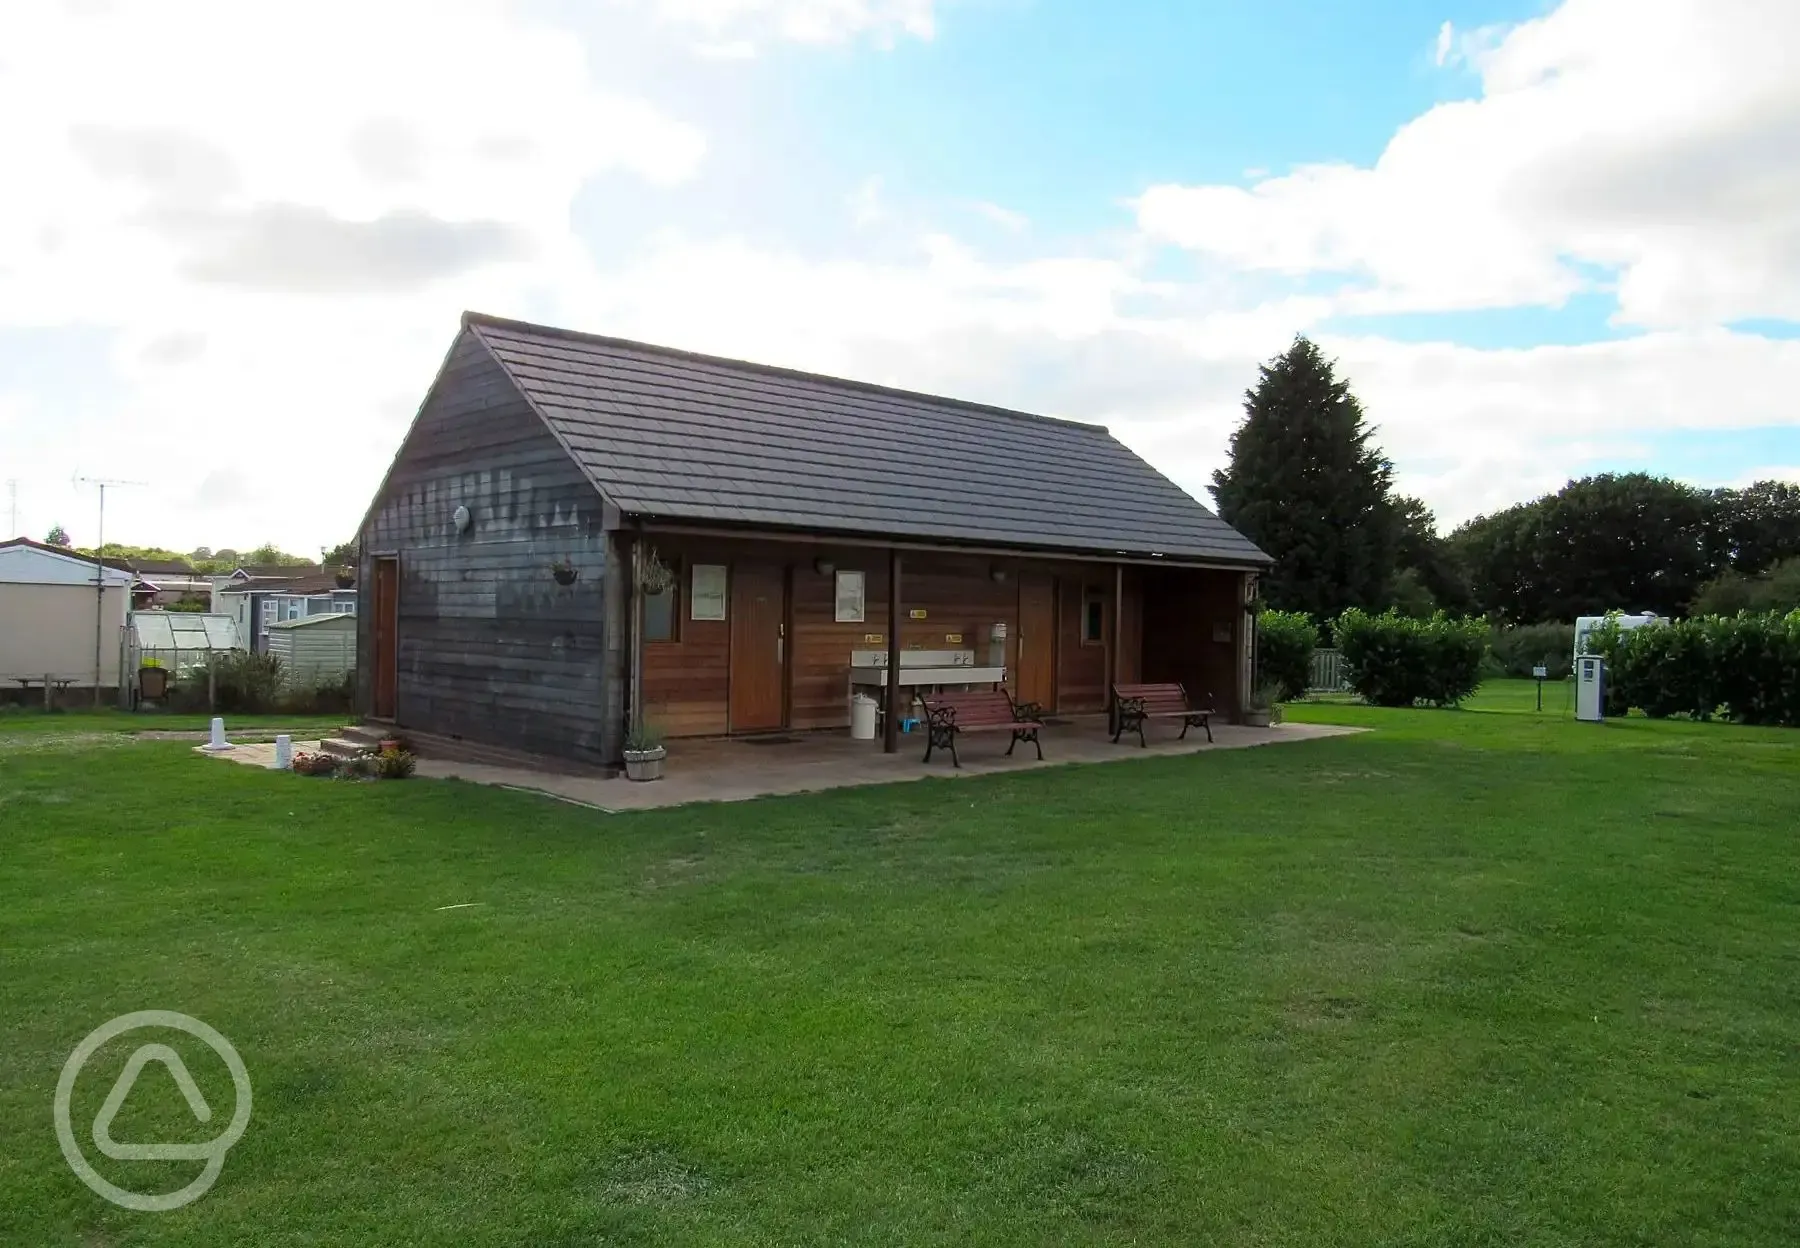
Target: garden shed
x,y
315,650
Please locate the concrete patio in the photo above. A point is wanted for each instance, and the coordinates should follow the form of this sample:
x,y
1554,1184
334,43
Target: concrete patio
x,y
738,769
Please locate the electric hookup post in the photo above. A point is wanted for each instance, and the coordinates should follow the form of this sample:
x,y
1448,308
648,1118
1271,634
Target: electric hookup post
x,y
1540,671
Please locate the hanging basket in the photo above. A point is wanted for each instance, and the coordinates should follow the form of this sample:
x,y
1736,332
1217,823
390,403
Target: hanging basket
x,y
654,576
564,573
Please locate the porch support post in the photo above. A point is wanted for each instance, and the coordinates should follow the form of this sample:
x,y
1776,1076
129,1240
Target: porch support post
x,y
635,663
1118,625
890,738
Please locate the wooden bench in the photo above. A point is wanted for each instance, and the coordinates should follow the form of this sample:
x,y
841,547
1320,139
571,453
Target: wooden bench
x,y
1134,704
978,710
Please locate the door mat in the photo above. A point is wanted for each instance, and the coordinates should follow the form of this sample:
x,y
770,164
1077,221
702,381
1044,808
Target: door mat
x,y
769,740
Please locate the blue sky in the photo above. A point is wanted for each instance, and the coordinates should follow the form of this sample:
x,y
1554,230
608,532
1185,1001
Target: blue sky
x,y
1541,240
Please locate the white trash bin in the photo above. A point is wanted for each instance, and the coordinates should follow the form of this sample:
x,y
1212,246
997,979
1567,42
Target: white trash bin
x,y
862,717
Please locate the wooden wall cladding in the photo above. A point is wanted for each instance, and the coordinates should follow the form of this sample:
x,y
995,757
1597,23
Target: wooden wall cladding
x,y
1184,614
687,681
490,647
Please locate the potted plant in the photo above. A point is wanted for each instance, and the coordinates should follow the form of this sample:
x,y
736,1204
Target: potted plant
x,y
564,572
153,679
345,577
644,753
1265,708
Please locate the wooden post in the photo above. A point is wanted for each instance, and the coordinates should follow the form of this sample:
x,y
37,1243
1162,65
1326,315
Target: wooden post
x,y
890,737
212,683
1118,623
49,705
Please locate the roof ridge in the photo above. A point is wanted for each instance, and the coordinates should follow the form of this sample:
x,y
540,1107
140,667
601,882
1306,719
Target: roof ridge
x,y
478,320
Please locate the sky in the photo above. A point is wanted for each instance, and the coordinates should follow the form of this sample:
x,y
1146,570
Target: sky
x,y
1541,240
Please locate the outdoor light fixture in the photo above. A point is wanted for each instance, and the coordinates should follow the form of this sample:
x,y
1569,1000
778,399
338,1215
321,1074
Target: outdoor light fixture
x,y
460,517
824,567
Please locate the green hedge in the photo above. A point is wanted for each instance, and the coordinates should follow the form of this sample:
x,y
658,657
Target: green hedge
x,y
1285,641
1744,667
1395,660
1515,651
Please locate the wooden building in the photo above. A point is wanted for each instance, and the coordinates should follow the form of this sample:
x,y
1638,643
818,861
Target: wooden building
x,y
577,525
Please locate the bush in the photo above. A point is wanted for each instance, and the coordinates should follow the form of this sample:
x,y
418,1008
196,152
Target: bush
x,y
256,684
1515,651
1746,666
394,765
1394,660
246,683
333,695
1284,647
1732,593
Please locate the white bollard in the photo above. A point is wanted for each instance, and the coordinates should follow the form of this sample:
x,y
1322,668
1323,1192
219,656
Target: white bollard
x,y
218,741
284,752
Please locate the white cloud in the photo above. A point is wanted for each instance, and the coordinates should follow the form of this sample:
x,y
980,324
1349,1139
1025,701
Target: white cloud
x,y
1656,139
1008,220
804,21
865,202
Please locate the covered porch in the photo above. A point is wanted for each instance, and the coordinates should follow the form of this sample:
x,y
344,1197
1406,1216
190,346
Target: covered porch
x,y
743,635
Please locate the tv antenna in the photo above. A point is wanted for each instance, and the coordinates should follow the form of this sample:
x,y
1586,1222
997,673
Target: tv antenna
x,y
100,573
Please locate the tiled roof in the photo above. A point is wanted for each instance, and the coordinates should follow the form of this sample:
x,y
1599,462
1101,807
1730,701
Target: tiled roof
x,y
673,435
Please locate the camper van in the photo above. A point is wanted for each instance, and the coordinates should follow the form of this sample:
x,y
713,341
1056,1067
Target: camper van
x,y
1586,624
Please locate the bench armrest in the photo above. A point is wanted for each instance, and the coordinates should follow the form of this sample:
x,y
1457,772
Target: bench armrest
x,y
1131,706
940,716
1027,712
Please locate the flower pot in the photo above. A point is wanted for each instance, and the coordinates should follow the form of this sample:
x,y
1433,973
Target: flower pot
x,y
345,578
1258,717
645,764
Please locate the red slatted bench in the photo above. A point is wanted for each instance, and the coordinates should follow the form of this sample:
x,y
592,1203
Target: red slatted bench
x,y
1134,704
978,710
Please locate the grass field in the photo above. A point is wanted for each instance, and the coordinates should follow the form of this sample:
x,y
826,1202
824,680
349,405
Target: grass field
x,y
21,723
1477,977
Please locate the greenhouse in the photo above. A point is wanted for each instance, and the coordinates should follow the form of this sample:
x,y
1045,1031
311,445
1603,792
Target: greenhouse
x,y
177,640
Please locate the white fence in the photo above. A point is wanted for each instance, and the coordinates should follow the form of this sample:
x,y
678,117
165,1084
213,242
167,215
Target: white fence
x,y
1329,675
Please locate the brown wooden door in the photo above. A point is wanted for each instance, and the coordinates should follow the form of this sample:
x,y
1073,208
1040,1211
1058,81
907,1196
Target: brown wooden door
x,y
1037,640
758,646
385,633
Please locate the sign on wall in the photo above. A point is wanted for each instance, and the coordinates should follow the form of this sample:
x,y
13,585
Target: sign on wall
x,y
849,598
707,594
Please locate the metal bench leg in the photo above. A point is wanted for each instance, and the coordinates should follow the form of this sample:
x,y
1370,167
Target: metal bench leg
x,y
1142,744
954,760
1185,725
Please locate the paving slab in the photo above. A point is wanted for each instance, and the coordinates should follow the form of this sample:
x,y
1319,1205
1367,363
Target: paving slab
x,y
739,769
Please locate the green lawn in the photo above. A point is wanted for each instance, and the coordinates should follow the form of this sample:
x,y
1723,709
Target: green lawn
x,y
1479,977
15,722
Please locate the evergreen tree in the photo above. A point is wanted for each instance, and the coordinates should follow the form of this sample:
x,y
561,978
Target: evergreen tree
x,y
1307,485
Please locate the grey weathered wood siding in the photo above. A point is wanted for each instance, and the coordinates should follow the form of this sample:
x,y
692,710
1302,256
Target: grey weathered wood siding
x,y
490,647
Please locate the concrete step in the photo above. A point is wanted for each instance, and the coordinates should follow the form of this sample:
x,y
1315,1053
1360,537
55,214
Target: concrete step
x,y
346,747
370,735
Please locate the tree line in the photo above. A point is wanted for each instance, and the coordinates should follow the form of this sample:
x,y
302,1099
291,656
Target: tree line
x,y
204,560
1307,482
